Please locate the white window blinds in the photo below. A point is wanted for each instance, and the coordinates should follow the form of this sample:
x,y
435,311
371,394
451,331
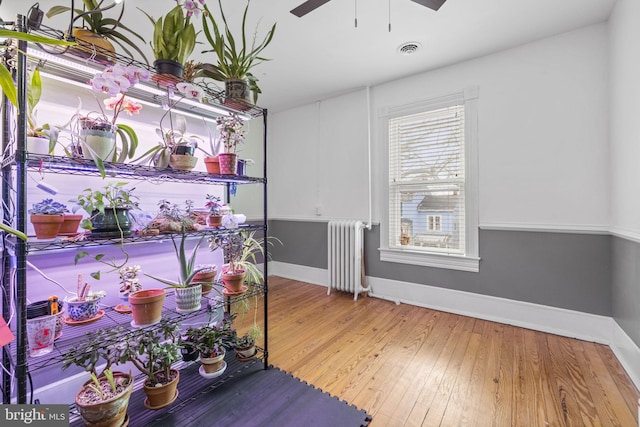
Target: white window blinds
x,y
427,181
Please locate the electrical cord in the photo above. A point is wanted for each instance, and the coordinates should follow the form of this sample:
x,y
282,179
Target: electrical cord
x,y
49,278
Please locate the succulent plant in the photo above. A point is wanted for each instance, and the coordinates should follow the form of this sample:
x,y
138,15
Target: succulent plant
x,y
48,207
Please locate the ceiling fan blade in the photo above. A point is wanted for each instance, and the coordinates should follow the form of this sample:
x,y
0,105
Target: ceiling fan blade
x,y
307,7
431,4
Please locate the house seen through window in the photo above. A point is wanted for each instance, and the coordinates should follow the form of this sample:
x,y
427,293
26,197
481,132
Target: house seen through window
x,y
427,181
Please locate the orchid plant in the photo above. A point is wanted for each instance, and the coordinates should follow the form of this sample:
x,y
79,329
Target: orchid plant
x,y
230,131
176,134
115,81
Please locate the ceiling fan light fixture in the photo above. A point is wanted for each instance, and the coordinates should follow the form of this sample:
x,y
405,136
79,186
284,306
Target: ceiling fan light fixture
x,y
409,48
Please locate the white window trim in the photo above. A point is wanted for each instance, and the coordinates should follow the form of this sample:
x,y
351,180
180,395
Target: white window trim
x,y
471,260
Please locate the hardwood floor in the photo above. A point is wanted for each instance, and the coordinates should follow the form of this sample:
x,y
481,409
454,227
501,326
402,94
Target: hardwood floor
x,y
411,366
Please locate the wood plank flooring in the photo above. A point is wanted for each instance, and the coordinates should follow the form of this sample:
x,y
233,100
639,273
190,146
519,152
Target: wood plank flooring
x,y
411,366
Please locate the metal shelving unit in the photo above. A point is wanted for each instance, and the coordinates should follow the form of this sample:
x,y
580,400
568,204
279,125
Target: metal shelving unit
x,y
16,162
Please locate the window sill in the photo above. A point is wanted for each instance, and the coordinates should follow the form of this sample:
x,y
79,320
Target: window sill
x,y
452,262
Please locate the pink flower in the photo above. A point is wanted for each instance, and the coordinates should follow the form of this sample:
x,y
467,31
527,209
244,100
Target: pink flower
x,y
192,7
190,91
115,81
131,107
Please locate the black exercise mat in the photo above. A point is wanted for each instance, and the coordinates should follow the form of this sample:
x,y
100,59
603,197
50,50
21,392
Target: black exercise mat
x,y
258,397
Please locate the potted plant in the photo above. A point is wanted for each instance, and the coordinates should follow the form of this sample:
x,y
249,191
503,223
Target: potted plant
x,y
97,132
174,38
215,212
94,39
234,60
47,217
108,209
210,340
175,148
129,283
153,351
84,307
40,139
230,134
103,400
240,251
172,218
245,347
188,292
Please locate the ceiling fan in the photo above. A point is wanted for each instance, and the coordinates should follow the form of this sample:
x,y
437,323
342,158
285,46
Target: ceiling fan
x,y
311,5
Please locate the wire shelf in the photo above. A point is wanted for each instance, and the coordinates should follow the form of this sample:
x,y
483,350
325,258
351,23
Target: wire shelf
x,y
85,54
75,166
73,336
59,243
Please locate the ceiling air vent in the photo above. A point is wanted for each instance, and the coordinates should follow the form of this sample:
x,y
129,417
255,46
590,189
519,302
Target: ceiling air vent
x,y
409,48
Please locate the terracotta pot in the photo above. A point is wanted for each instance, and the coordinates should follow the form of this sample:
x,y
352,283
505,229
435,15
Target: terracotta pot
x,y
110,413
163,395
46,226
182,162
228,163
215,220
188,299
70,224
212,164
206,279
146,306
233,281
212,364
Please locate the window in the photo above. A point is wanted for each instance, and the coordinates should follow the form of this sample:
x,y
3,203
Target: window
x,y
432,193
434,222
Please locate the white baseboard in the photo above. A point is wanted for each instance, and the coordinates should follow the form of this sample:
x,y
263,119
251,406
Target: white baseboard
x,y
628,353
316,276
559,321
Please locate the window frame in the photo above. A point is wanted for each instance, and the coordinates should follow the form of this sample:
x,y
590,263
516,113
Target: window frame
x,y
470,261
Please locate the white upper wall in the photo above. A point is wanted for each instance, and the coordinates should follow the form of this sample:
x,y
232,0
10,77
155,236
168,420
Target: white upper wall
x,y
625,118
543,123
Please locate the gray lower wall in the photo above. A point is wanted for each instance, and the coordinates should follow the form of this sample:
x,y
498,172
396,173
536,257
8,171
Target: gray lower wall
x,y
625,286
565,270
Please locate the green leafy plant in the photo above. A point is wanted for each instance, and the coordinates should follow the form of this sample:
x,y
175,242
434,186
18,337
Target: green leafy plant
x,y
34,93
210,340
96,202
97,346
175,134
113,195
153,350
174,36
108,27
186,263
241,249
235,60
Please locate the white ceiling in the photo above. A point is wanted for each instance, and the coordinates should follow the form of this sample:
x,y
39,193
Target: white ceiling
x,y
322,54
